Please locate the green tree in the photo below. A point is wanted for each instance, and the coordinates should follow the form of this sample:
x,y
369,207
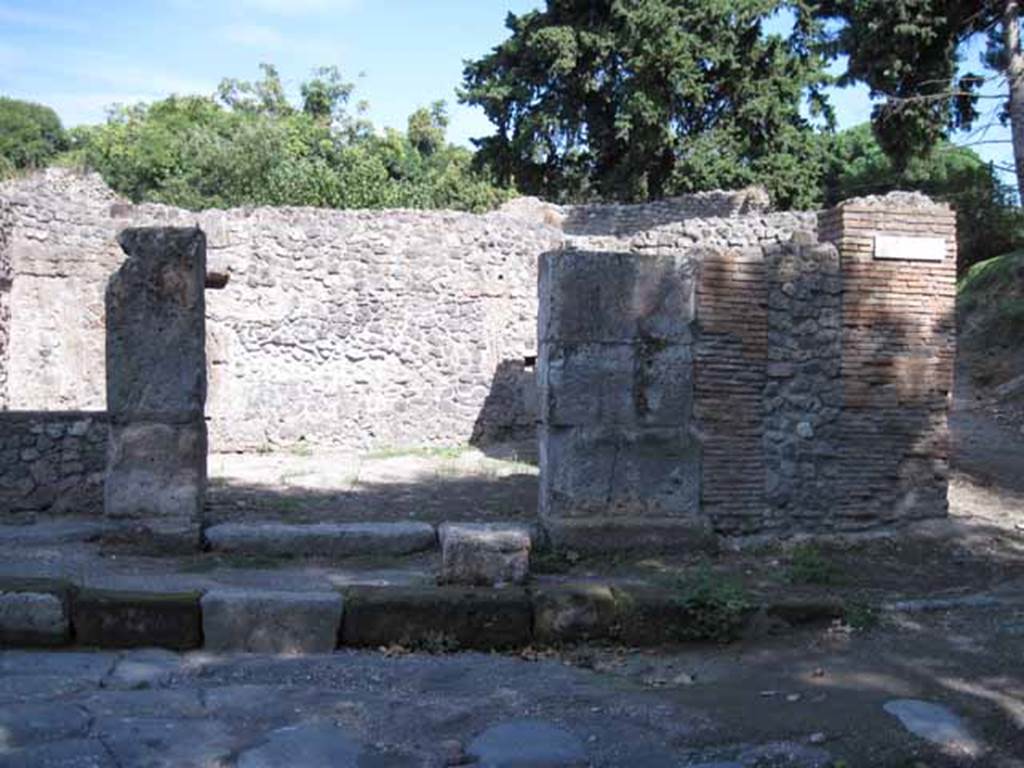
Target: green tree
x,y
987,222
910,52
637,99
30,134
249,145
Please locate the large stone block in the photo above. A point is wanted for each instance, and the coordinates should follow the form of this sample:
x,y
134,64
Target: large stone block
x,y
484,554
436,617
642,383
271,622
616,296
114,619
157,471
617,472
156,315
34,612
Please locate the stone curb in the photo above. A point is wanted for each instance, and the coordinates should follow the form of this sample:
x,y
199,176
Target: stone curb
x,y
321,539
431,617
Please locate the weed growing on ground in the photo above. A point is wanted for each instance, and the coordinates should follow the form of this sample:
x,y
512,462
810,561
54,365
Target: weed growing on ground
x,y
426,452
718,606
809,565
860,616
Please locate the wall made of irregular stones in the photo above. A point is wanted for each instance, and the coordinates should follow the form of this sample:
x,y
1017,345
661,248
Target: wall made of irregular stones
x,y
51,462
352,329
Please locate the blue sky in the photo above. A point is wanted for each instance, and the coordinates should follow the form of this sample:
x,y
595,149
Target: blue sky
x,y
79,56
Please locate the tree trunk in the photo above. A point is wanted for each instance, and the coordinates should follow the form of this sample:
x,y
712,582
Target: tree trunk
x,y
1015,83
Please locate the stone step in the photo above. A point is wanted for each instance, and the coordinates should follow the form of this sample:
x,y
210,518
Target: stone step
x,y
321,539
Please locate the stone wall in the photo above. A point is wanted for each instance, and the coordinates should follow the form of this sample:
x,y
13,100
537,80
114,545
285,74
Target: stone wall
x,y
351,329
51,462
820,376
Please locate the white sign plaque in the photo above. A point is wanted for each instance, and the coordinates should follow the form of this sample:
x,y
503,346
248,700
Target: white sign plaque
x,y
910,248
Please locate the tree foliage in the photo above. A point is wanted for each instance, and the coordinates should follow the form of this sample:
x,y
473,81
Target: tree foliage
x,y
636,100
30,135
987,222
909,53
250,145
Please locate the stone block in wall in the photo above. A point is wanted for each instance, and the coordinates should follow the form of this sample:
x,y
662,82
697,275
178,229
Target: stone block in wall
x,y
608,297
644,383
156,361
619,472
156,473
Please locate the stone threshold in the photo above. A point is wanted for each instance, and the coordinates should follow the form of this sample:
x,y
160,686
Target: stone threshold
x,y
548,612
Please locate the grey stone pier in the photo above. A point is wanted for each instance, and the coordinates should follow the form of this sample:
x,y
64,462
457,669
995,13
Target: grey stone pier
x,y
156,386
620,464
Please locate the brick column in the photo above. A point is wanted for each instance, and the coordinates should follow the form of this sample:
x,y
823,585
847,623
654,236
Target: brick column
x,y
156,386
898,266
619,465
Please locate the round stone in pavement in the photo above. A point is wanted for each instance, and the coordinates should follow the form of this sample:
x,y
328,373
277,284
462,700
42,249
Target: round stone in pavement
x,y
934,723
527,744
307,744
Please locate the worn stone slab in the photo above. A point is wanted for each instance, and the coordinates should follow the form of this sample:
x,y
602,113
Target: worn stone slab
x,y
934,723
28,724
611,472
32,618
310,744
156,327
595,296
72,753
630,383
34,612
166,742
425,616
527,744
322,539
116,619
156,473
271,622
484,554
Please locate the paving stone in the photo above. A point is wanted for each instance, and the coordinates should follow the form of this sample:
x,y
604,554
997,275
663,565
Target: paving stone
x,y
33,618
484,554
143,669
271,622
425,616
73,753
145,702
164,742
934,723
322,539
307,744
527,744
88,666
27,724
115,619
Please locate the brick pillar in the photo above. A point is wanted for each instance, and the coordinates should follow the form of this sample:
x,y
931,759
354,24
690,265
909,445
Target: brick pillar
x,y
619,465
156,386
898,266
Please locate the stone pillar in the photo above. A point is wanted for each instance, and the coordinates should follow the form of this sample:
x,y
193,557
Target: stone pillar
x,y
803,393
898,266
156,386
619,464
6,281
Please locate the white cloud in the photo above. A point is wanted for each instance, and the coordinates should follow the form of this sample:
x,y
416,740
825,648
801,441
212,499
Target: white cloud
x,y
254,35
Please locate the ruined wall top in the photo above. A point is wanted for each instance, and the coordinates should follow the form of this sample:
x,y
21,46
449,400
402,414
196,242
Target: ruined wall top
x,y
897,200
